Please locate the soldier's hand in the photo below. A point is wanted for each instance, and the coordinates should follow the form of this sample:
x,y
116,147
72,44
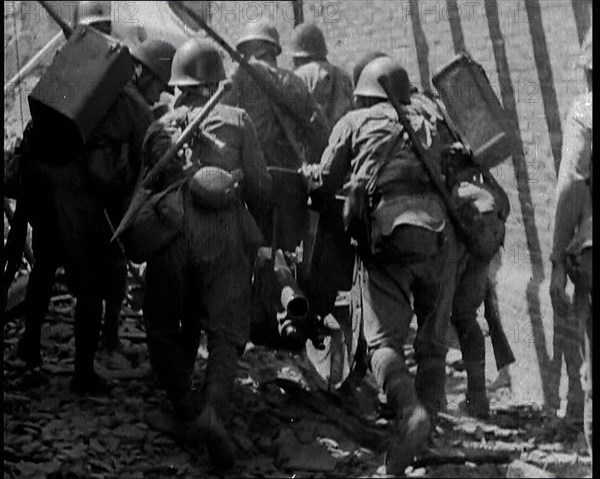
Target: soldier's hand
x,y
185,156
311,175
558,294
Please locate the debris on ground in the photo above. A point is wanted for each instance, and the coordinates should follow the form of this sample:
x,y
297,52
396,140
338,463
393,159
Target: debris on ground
x,y
282,423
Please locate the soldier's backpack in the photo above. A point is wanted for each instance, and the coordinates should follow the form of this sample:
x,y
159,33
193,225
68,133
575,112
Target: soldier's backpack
x,y
483,207
158,222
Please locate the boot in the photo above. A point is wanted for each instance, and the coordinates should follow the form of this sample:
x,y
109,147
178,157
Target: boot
x,y
88,316
413,431
110,335
503,380
477,403
220,447
37,299
413,424
219,377
430,385
115,295
182,425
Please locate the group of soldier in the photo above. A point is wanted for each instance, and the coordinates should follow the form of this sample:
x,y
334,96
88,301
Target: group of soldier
x,y
336,132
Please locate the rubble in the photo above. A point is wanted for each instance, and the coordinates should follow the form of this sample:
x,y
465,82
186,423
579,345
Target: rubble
x,y
282,423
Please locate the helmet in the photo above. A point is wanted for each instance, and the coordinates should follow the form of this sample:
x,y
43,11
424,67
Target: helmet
x,y
88,13
586,55
308,41
261,31
363,62
384,68
157,56
196,62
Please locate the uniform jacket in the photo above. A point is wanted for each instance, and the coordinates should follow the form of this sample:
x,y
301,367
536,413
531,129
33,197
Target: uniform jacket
x,y
331,87
229,141
405,193
573,223
276,128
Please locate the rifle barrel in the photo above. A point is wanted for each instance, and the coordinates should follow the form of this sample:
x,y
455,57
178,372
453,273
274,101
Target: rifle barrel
x,y
66,28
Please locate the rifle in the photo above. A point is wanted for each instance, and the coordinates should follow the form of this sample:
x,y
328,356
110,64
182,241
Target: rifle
x,y
66,28
143,190
425,159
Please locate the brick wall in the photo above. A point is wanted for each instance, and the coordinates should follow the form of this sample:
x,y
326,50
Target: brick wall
x,y
355,27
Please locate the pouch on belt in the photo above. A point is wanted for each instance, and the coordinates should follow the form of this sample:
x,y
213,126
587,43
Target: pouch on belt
x,y
158,222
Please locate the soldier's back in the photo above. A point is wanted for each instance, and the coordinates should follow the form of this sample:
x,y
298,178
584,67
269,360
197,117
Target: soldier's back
x,y
331,87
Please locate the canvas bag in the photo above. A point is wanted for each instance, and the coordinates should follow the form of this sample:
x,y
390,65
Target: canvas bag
x,y
158,222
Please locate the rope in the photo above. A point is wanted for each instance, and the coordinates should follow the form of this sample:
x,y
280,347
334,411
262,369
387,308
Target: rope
x,y
19,70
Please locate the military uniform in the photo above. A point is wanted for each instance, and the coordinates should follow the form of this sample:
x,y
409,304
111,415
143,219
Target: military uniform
x,y
503,353
277,130
572,250
330,86
68,215
470,293
203,277
412,248
468,296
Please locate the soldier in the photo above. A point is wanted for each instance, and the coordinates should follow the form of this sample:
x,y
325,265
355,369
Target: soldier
x,y
363,62
331,86
69,197
99,15
290,135
279,133
471,281
95,14
406,245
151,77
202,278
572,249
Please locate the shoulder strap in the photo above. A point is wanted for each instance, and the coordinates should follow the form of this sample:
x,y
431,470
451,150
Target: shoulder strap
x,y
425,158
387,154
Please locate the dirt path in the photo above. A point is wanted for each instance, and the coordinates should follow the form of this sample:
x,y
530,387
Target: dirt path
x,y
282,426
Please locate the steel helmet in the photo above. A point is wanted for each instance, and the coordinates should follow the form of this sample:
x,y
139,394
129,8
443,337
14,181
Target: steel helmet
x,y
308,41
261,30
157,56
363,62
586,55
384,68
88,13
196,62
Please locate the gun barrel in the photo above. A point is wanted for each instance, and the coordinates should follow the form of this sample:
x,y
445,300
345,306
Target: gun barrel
x,y
292,298
66,28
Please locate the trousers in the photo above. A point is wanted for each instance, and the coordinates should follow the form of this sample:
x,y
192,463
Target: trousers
x,y
503,353
387,287
582,279
468,296
199,282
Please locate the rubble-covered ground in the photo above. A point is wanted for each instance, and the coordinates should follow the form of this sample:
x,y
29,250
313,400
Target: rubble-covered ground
x,y
282,424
